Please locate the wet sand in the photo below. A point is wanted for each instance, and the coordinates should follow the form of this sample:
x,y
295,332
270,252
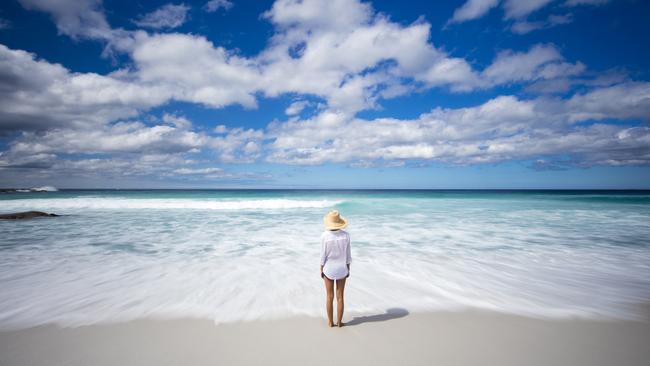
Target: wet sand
x,y
394,338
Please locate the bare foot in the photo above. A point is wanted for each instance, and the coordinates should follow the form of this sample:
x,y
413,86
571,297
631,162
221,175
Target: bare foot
x,y
330,324
340,324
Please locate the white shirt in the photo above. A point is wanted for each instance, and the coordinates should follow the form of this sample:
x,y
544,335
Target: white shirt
x,y
335,253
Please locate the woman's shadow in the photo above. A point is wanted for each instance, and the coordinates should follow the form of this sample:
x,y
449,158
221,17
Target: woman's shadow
x,y
392,313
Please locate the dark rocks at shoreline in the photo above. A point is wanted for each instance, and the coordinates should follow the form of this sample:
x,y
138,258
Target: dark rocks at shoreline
x,y
25,215
28,190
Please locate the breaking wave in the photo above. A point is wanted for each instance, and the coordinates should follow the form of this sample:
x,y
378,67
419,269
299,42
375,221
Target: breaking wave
x,y
106,203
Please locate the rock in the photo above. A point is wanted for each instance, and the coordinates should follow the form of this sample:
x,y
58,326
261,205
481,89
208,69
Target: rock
x,y
25,215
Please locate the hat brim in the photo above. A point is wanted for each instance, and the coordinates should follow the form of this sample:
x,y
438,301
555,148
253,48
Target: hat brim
x,y
335,225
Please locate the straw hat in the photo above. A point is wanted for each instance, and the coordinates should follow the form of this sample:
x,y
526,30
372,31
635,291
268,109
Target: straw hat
x,y
333,220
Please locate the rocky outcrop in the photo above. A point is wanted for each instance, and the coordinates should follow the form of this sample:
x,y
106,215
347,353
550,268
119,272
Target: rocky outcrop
x,y
25,215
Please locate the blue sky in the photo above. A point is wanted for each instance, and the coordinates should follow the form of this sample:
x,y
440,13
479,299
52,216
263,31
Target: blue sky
x,y
325,94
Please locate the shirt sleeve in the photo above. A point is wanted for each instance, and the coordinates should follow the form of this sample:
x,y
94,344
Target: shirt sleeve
x,y
349,253
323,254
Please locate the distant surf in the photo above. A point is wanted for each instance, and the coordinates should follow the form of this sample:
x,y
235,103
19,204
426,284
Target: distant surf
x,y
104,203
29,190
44,189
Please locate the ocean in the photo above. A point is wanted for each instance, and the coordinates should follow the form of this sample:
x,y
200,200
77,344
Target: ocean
x,y
233,255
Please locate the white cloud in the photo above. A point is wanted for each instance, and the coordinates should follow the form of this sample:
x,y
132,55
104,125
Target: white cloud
x,y
220,129
192,69
525,26
121,137
473,9
517,9
554,86
39,95
192,171
214,5
151,170
296,107
501,129
539,62
179,122
332,15
513,9
346,54
621,101
352,61
131,149
74,18
585,2
84,19
238,145
168,16
341,52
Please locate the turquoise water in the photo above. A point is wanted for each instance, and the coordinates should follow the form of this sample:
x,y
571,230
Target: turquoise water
x,y
238,255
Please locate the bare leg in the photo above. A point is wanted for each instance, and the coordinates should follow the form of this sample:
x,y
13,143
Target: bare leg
x,y
340,287
329,292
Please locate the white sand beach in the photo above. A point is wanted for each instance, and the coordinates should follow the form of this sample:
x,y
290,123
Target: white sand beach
x,y
395,338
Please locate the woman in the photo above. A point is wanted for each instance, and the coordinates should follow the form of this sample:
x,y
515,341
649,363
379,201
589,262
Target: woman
x,y
335,261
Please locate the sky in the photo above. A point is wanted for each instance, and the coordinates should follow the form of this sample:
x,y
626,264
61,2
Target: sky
x,y
468,94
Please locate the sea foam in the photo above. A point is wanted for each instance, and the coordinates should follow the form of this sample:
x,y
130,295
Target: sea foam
x,y
44,189
104,203
260,257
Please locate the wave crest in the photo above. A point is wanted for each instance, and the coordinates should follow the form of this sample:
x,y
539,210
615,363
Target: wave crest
x,y
44,189
104,203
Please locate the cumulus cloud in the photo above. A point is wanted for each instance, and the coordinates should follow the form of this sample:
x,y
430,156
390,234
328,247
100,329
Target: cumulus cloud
x,y
192,69
342,54
84,19
620,101
168,16
150,170
352,61
585,2
201,171
503,128
517,11
106,167
74,18
341,15
525,26
38,95
473,9
214,5
296,107
351,56
513,9
126,149
539,62
179,122
238,145
121,137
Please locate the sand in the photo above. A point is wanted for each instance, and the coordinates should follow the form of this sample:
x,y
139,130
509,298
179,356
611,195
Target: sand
x,y
395,338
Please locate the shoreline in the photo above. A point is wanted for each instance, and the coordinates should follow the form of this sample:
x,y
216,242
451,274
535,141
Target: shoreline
x,y
460,338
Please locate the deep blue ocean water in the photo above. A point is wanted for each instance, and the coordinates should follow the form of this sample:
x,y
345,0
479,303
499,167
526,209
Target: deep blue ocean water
x,y
234,255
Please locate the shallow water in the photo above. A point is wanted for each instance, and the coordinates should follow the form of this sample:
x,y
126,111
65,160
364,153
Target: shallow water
x,y
238,255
